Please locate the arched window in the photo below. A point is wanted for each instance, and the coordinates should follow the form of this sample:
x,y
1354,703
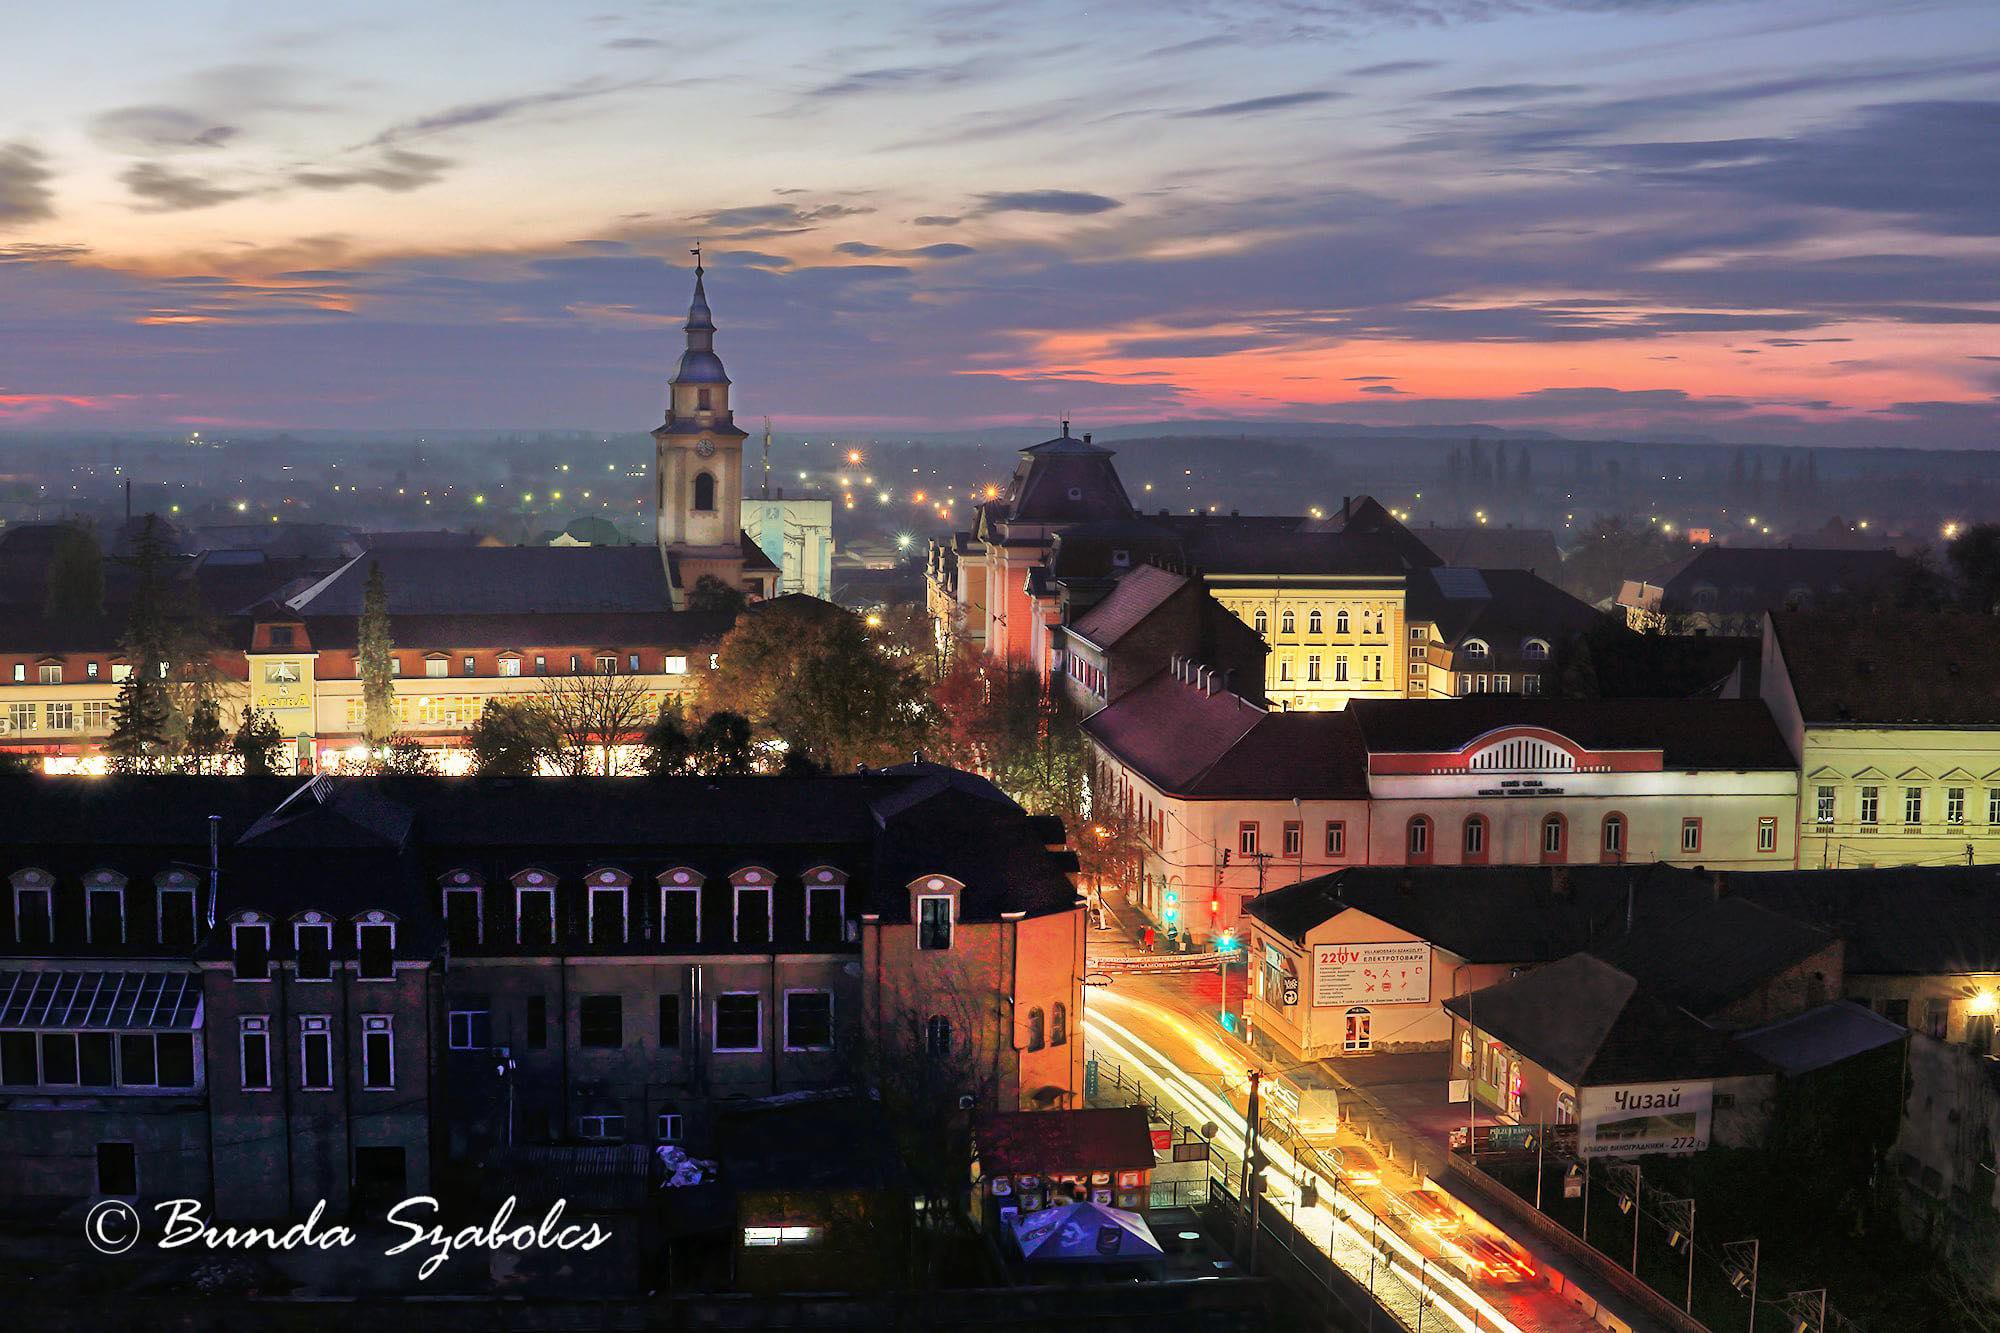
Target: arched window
x,y
1035,1042
1476,648
1613,842
937,1036
1536,650
1314,624
701,399
1058,1026
704,491
1288,624
1340,622
1475,839
1555,838
1261,623
1419,842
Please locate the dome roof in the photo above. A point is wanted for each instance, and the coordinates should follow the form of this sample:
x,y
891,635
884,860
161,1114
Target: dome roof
x,y
700,366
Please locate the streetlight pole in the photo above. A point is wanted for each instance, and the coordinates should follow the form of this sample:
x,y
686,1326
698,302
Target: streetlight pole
x,y
1732,1251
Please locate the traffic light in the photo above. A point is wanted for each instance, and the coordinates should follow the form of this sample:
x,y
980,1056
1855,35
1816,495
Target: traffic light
x,y
1225,941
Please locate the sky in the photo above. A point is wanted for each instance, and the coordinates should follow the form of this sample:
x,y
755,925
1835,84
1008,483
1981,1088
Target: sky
x,y
1756,220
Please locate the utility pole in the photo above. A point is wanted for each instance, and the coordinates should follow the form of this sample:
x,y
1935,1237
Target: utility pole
x,y
1253,1175
1741,1276
767,458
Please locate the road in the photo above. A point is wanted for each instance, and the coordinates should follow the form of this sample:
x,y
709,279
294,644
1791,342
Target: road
x,y
1409,1242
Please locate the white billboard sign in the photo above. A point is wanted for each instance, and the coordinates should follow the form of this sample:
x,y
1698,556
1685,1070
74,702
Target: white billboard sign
x,y
1638,1118
1371,974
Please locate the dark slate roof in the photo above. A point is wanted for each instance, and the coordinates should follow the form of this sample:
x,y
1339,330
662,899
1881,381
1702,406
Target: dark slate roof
x,y
1483,547
609,629
1896,920
1062,1142
1693,733
498,580
1707,960
1502,606
1836,1031
1136,596
1860,668
1493,914
788,1144
1590,1024
418,539
1189,743
1762,578
1040,491
1237,545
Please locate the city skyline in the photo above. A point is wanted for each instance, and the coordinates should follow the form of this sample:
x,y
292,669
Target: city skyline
x,y
1757,222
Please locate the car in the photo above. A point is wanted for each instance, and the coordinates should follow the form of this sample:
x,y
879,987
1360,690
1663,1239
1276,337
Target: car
x,y
1494,1260
1430,1210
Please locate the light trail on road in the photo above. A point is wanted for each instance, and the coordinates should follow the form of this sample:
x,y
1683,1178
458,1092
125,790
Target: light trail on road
x,y
1333,1230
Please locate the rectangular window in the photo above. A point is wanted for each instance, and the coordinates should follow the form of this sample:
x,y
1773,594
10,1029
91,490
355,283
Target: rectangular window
x,y
826,909
670,1022
1913,805
601,1021
739,1021
1937,1016
669,1127
575,664
1295,837
1500,685
95,1060
117,1168
18,1064
436,667
1312,666
376,942
632,663
1954,805
1993,805
1531,685
1823,805
1246,838
251,945
59,1058
462,924
470,1029
808,1020
1336,837
607,664
675,666
1340,666
50,673
601,1127
104,919
21,717
934,922
62,717
176,917
137,1066
1690,835
753,915
755,1238
1897,1011
176,1059
536,1023
680,916
96,714
510,666
315,1053
1284,668
470,668
314,943
607,914
1871,805
541,665
378,1052
535,917
1767,834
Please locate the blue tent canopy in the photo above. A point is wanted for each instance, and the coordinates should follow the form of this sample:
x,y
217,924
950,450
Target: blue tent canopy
x,y
1083,1232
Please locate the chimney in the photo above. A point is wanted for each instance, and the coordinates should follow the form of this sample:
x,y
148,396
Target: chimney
x,y
1086,437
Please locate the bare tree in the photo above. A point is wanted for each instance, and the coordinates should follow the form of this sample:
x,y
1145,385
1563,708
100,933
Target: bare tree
x,y
595,716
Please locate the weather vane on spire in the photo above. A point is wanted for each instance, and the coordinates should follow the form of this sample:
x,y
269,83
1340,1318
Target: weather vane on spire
x,y
696,252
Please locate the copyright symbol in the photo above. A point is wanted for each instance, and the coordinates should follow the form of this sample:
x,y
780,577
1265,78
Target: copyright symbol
x,y
112,1227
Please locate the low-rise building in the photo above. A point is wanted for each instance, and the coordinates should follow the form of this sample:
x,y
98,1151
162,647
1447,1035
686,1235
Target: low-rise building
x,y
1729,589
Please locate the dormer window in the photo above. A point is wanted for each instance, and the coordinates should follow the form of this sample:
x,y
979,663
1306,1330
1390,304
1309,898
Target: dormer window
x,y
607,923
1476,648
1535,650
104,904
176,905
680,907
464,923
281,636
312,937
34,907
934,913
826,905
375,942
250,948
753,905
534,909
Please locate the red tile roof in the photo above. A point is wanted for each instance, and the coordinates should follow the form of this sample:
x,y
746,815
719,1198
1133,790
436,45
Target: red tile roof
x,y
1138,595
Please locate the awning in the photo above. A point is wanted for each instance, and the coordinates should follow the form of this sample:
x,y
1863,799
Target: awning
x,y
1086,1233
123,1001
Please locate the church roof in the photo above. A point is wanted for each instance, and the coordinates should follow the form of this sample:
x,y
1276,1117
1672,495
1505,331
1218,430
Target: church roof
x,y
497,580
700,366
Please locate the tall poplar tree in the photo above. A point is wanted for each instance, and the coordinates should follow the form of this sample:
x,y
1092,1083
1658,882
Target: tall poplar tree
x,y
142,718
378,685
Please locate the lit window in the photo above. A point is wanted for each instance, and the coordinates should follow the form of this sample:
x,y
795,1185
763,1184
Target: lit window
x,y
1823,805
436,667
510,666
762,1237
1475,648
1314,624
934,922
1954,805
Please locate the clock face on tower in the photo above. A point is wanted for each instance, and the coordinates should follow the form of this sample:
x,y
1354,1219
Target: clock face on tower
x,y
706,448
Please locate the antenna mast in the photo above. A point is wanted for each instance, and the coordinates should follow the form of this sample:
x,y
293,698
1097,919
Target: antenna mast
x,y
767,458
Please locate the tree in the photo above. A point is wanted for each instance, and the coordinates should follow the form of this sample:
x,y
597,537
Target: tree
x,y
142,722
512,738
207,742
372,662
719,747
17,764
1975,559
406,757
712,594
75,587
805,673
594,714
256,743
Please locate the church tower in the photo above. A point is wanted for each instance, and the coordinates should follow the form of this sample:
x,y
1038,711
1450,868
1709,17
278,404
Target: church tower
x,y
698,461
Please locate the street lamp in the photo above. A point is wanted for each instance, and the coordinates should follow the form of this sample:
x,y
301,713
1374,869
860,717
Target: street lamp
x,y
1742,1256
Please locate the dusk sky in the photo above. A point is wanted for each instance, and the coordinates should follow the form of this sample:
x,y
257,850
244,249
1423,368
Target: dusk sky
x,y
1756,221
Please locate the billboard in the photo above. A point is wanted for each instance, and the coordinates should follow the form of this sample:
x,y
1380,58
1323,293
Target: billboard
x,y
1635,1118
1371,974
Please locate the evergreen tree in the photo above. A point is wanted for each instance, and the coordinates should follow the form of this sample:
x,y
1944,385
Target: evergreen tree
x,y
256,743
373,646
143,727
511,739
75,588
206,740
407,757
